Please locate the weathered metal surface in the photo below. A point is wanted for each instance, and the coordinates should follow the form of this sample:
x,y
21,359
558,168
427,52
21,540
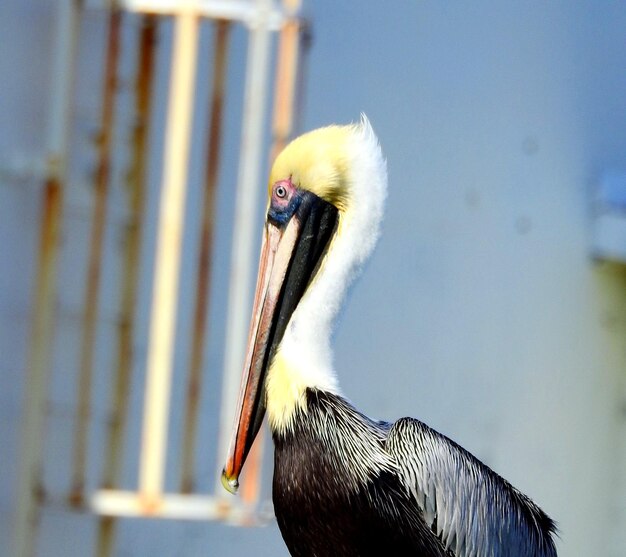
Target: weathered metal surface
x,y
168,256
137,176
194,384
94,265
31,489
285,85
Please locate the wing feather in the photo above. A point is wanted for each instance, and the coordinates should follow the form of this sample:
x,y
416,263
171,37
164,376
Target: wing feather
x,y
474,511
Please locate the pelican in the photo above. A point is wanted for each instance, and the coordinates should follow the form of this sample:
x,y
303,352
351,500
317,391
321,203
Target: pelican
x,y
346,485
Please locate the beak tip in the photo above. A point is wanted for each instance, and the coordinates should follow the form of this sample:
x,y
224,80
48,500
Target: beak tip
x,y
231,484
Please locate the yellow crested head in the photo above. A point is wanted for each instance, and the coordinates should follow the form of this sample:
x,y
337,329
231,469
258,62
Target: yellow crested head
x,y
320,161
344,166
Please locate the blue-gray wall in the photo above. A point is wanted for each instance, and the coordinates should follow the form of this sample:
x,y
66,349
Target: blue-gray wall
x,y
480,312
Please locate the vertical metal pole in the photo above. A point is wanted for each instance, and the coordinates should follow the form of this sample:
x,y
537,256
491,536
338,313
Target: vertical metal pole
x,y
30,488
92,287
285,84
169,240
129,286
305,39
194,385
244,223
251,484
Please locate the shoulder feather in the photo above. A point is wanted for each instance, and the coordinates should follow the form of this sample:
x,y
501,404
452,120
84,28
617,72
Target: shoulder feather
x,y
472,509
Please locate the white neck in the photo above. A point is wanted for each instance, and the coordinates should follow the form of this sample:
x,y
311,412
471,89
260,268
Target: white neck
x,y
304,358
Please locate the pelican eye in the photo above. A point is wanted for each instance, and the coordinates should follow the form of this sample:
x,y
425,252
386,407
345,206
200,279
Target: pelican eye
x,y
284,201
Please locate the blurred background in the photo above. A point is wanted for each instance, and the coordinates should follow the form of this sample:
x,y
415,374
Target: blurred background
x,y
135,141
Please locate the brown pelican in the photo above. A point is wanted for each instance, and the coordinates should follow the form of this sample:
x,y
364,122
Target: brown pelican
x,y
344,484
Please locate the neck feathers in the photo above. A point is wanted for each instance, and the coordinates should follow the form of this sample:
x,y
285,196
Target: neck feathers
x,y
304,357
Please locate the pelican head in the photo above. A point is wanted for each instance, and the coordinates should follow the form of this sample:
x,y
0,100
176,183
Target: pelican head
x,y
326,197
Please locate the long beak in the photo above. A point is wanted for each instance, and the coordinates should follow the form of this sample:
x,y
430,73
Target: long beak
x,y
276,252
290,254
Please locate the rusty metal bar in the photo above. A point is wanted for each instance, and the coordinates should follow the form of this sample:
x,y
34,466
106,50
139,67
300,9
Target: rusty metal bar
x,y
92,287
251,481
30,489
194,385
244,11
167,265
285,84
130,280
304,49
178,507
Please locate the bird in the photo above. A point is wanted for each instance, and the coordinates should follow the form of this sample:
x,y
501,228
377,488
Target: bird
x,y
346,485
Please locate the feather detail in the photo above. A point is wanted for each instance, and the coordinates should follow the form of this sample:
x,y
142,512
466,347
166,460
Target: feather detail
x,y
474,511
